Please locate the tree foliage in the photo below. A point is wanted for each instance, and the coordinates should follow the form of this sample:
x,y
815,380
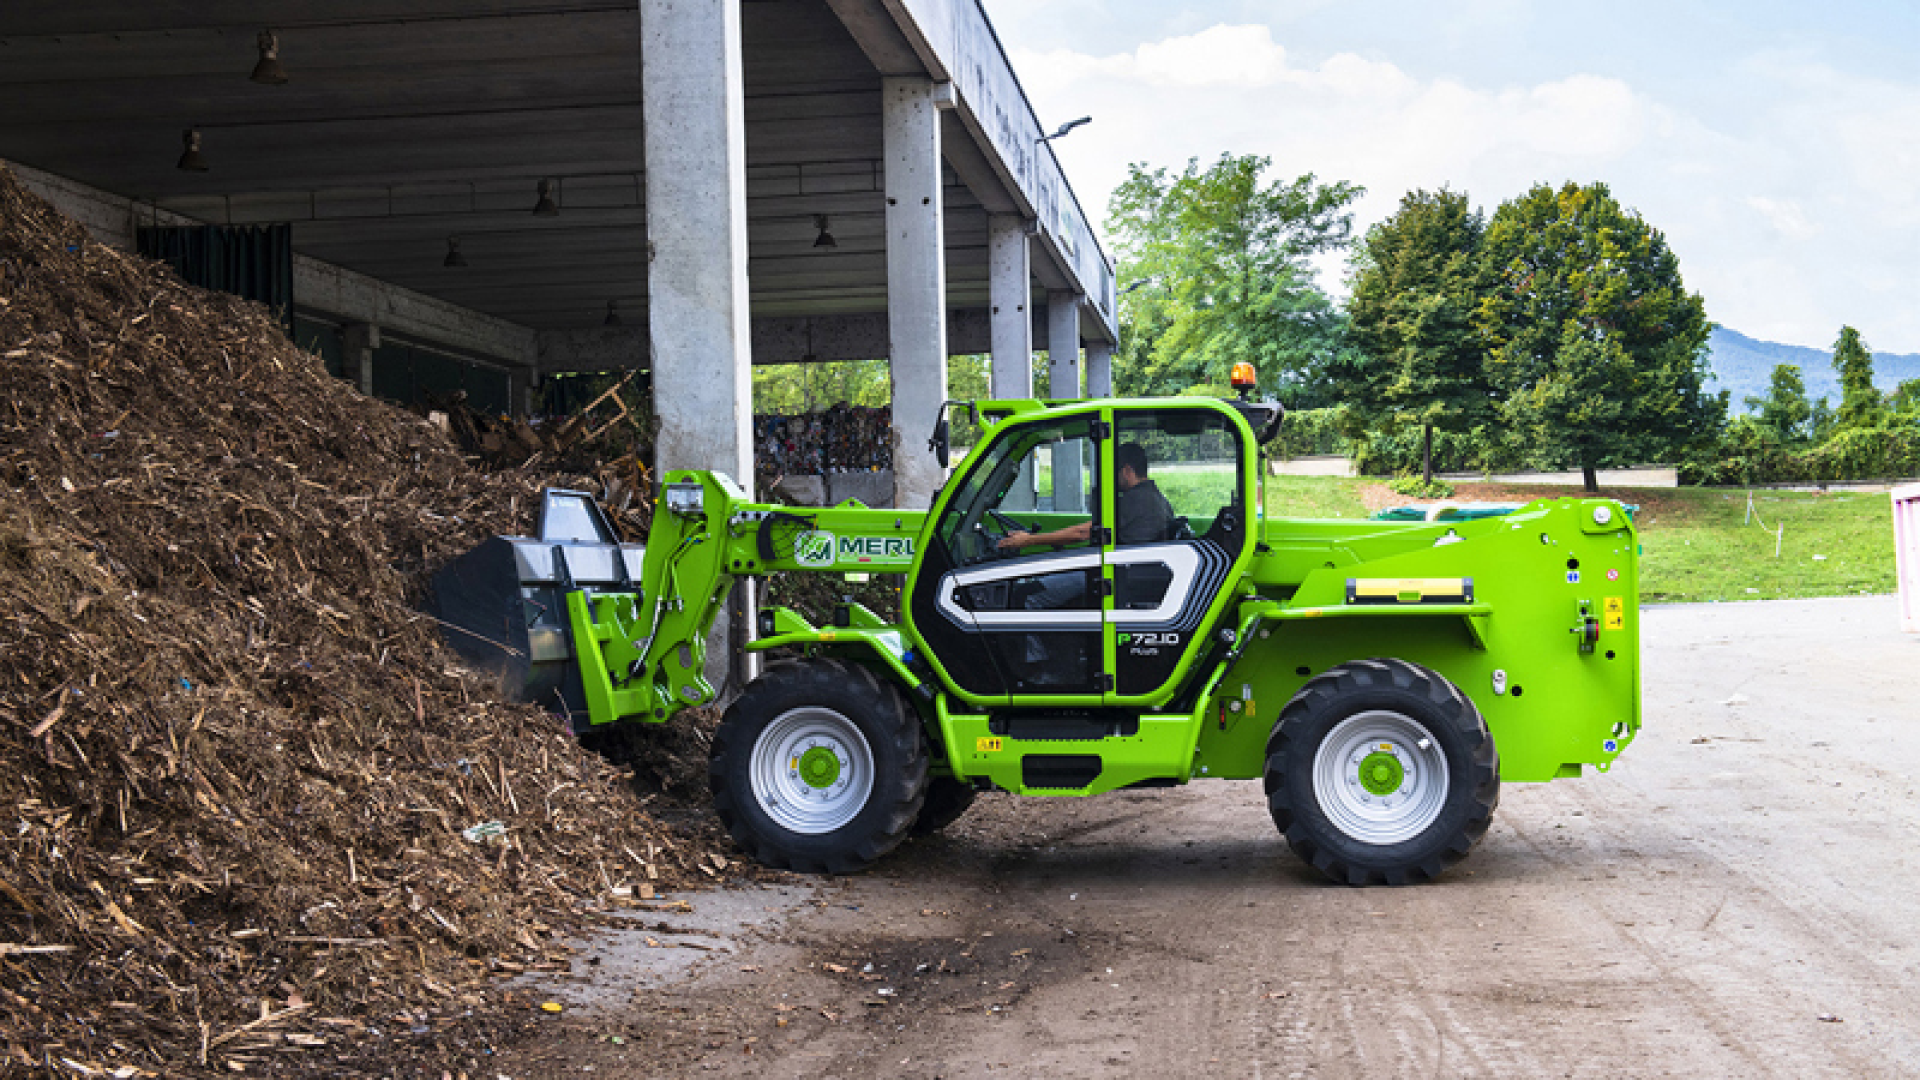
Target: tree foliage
x,y
1594,343
1785,411
1223,256
1861,405
1904,402
1415,287
791,389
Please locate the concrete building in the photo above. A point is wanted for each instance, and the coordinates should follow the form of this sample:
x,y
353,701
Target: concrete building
x,y
481,193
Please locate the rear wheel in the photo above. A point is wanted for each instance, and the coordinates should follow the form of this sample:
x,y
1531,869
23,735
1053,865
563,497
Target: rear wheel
x,y
1381,771
947,799
819,767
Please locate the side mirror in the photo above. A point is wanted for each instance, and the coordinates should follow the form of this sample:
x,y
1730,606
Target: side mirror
x,y
938,444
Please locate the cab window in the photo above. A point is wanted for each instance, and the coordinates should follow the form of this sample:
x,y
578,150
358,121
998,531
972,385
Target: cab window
x,y
1178,477
1035,479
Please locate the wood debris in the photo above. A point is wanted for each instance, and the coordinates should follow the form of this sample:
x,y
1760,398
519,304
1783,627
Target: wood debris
x,y
237,758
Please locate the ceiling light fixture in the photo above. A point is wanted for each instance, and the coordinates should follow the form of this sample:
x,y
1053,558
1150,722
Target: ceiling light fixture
x,y
825,239
1064,128
454,258
268,71
545,206
191,161
613,315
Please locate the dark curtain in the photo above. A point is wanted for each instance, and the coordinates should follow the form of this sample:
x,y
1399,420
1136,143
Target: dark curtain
x,y
254,261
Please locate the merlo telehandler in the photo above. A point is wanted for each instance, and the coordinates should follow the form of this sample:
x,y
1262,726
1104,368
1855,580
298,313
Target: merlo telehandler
x,y
1097,599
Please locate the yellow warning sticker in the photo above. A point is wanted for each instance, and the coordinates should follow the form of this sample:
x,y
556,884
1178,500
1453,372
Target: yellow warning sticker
x,y
1616,614
986,745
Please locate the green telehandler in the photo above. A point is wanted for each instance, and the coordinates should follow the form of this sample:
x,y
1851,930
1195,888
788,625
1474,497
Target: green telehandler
x,y
1095,600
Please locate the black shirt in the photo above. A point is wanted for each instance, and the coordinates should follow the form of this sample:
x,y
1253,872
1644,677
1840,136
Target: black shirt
x,y
1145,516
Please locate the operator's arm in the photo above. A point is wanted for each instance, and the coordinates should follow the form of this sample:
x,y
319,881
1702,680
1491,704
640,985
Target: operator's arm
x,y
1072,534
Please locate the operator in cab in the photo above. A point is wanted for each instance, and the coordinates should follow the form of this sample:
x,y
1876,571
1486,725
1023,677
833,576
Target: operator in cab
x,y
1142,514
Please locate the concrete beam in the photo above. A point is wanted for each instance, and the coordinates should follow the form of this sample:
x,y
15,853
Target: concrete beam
x,y
355,297
343,295
1009,285
696,199
955,41
877,31
776,340
916,280
612,348
826,338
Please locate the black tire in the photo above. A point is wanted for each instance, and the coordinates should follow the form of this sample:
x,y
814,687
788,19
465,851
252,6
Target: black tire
x,y
862,750
1347,825
947,799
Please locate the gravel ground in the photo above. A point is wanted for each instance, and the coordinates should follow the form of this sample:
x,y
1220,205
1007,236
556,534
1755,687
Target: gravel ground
x,y
1734,899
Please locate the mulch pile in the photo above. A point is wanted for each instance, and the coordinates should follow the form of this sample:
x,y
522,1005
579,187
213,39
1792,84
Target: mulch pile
x,y
257,818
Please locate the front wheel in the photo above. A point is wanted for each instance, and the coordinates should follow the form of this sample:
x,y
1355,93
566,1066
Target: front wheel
x,y
819,767
1381,771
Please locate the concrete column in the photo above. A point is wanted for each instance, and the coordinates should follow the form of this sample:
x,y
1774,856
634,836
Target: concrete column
x,y
1063,381
1099,370
357,342
695,123
1008,287
916,279
697,318
1063,344
519,392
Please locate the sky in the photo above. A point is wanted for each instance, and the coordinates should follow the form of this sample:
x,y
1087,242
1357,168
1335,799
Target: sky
x,y
1777,145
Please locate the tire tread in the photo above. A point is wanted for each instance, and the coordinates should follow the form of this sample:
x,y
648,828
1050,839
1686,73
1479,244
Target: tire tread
x,y
1326,691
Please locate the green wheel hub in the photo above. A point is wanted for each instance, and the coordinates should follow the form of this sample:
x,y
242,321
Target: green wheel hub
x,y
819,768
1381,773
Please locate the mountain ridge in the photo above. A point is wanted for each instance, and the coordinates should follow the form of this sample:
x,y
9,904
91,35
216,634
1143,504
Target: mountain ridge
x,y
1744,366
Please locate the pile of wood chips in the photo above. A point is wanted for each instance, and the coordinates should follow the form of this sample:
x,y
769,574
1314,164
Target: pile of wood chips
x,y
256,816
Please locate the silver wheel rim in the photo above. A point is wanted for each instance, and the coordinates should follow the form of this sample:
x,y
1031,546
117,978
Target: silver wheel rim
x,y
797,801
1364,813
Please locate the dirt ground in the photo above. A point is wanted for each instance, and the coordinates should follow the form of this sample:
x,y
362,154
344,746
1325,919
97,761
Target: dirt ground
x,y
1734,899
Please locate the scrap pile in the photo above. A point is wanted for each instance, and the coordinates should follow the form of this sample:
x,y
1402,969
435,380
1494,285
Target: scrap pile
x,y
257,817
844,438
607,428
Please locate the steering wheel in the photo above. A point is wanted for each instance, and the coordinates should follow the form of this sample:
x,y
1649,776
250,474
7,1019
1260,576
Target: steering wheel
x,y
1006,522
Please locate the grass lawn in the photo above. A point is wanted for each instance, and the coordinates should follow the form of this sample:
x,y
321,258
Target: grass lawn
x,y
1699,543
1317,497
1706,547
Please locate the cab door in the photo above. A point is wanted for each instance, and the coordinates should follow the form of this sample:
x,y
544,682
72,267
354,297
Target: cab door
x,y
1008,624
1180,530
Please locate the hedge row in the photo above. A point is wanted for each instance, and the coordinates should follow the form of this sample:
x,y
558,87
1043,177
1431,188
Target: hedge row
x,y
1850,454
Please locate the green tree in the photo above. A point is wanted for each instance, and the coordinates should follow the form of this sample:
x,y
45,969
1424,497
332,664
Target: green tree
x,y
1821,421
1785,410
1593,339
1222,262
1861,405
791,389
1904,402
1416,282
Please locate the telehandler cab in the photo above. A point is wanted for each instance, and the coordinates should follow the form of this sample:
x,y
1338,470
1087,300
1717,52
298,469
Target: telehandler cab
x,y
1381,678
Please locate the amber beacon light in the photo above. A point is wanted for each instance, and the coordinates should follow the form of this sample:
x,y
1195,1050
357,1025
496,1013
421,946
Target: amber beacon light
x,y
1243,377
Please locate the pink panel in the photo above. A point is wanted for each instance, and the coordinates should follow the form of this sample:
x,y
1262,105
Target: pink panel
x,y
1906,550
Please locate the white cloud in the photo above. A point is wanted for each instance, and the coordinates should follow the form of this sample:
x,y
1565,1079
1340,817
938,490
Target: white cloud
x,y
1238,56
1784,215
1233,88
1788,192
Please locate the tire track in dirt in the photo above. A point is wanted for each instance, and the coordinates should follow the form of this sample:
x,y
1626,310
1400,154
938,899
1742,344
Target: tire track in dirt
x,y
1693,913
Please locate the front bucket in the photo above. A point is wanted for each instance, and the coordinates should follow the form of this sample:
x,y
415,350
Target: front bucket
x,y
503,604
